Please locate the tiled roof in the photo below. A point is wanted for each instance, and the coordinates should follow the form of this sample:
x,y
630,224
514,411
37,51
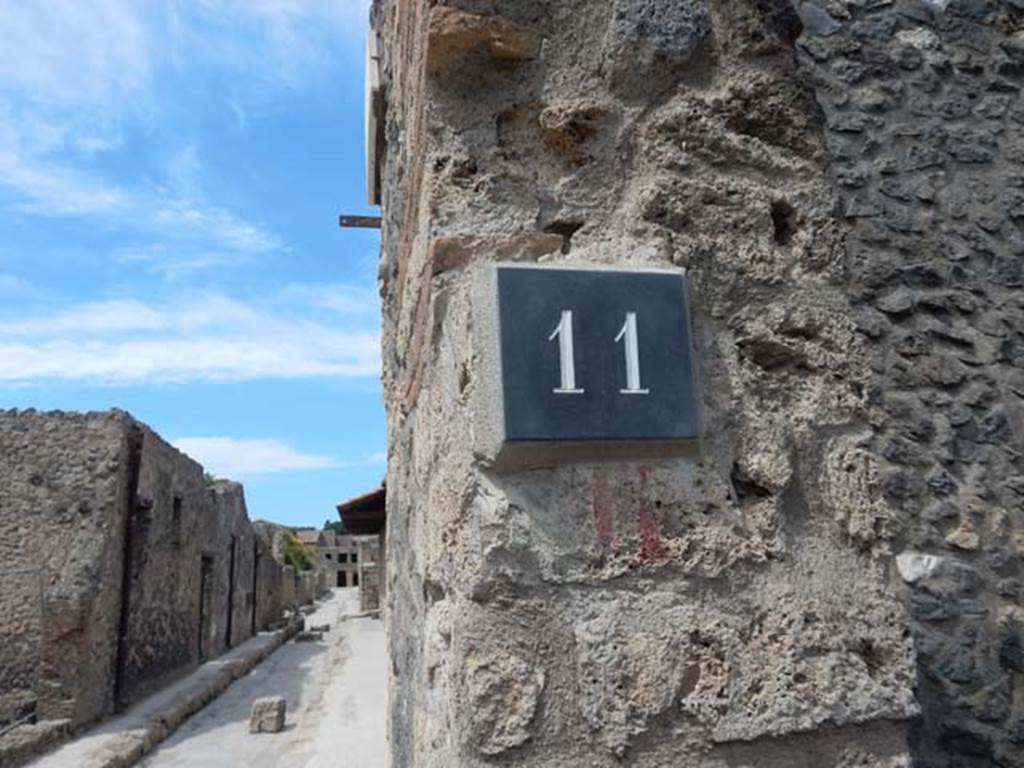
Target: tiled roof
x,y
307,535
365,514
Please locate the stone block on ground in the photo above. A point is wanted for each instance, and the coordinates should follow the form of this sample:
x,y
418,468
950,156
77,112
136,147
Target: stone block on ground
x,y
308,637
267,715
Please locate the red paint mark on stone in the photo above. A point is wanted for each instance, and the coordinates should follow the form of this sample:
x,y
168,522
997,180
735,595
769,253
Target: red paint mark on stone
x,y
651,547
602,508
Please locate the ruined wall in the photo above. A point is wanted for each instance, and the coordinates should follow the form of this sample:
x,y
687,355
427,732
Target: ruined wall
x,y
179,521
83,499
270,578
294,589
231,523
316,585
836,579
838,202
926,142
167,534
63,495
371,571
289,588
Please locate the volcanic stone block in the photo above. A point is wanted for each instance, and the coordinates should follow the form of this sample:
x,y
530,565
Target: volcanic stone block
x,y
455,33
267,715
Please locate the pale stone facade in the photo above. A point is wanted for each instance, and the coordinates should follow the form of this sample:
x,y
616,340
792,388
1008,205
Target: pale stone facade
x,y
371,572
338,558
840,179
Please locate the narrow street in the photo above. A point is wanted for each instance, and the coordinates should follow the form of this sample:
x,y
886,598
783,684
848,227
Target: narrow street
x,y
336,692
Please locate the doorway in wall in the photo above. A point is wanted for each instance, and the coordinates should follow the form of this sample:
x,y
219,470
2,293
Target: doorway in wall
x,y
205,602
255,584
342,579
231,593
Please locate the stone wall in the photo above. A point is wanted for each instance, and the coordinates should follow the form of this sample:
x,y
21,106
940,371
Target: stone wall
x,y
230,527
840,182
21,598
269,590
179,520
925,135
166,533
289,588
63,497
85,499
297,589
308,585
371,570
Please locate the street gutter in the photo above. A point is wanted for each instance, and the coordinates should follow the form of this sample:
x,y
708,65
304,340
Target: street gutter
x,y
123,740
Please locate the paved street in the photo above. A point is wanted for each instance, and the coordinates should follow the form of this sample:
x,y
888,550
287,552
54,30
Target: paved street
x,y
335,689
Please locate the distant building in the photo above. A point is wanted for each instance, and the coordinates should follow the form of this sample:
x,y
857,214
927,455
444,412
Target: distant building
x,y
366,517
337,555
308,536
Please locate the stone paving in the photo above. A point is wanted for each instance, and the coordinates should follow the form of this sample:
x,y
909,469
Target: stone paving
x,y
335,690
122,740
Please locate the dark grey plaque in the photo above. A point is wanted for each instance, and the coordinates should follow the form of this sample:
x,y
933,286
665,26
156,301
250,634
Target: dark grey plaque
x,y
600,399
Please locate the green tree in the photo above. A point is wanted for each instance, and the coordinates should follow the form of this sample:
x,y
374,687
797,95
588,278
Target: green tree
x,y
335,525
297,554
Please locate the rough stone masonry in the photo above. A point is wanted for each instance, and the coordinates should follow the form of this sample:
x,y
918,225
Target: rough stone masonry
x,y
121,568
835,579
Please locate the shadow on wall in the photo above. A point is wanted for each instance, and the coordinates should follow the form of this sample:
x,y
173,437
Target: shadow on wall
x,y
134,567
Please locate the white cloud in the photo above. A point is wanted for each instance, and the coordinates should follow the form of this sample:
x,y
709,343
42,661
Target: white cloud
x,y
218,227
97,53
50,189
215,359
228,457
72,53
212,337
236,458
47,182
122,315
72,74
337,298
178,263
278,41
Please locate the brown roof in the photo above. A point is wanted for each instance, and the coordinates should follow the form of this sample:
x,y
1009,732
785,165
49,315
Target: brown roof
x,y
375,499
308,535
365,514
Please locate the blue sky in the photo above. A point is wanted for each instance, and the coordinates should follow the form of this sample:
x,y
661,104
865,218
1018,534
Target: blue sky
x,y
171,174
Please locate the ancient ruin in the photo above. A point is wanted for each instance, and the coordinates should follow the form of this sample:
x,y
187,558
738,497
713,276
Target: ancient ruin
x,y
337,555
122,568
833,579
366,518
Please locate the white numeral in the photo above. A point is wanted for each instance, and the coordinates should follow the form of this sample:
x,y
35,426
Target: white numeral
x,y
632,357
567,353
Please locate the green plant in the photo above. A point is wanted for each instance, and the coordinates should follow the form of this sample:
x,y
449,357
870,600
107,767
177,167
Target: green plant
x,y
297,554
335,525
211,479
